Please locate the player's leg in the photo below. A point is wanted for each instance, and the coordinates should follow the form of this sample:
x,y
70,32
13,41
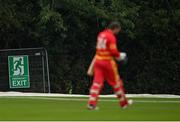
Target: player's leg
x,y
117,84
96,87
118,88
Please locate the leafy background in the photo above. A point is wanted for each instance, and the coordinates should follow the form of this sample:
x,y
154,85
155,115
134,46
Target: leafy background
x,y
68,30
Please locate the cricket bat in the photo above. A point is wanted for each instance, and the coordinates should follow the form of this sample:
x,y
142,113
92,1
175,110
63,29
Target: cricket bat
x,y
90,71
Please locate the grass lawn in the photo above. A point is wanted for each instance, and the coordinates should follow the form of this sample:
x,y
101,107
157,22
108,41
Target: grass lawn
x,y
58,108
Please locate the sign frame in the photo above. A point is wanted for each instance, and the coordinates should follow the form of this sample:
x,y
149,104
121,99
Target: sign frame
x,y
25,77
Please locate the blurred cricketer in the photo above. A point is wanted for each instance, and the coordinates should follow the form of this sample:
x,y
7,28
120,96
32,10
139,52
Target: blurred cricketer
x,y
104,66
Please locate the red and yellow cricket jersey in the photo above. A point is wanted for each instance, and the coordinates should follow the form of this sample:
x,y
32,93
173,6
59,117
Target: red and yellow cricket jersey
x,y
106,47
105,67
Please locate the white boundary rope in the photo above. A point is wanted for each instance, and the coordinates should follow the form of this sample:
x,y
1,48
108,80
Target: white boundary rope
x,y
11,94
81,99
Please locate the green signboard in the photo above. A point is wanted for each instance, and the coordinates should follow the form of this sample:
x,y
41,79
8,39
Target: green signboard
x,y
18,71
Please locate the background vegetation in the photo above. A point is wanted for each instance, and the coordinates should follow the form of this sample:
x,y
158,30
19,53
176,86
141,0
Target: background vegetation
x,y
68,30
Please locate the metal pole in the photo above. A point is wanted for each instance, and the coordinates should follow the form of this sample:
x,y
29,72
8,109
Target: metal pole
x,y
20,49
47,64
44,80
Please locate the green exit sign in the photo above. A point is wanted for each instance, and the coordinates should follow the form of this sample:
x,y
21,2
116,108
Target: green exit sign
x,y
18,71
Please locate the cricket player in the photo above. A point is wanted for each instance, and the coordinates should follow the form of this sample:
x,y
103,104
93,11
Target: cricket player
x,y
104,66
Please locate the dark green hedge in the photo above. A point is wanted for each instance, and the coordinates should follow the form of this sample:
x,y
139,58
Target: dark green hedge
x,y
68,30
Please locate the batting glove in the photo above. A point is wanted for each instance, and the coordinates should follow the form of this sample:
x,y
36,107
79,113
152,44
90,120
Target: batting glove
x,y
122,56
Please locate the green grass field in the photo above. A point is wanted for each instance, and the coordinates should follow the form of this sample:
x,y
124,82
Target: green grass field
x,y
58,108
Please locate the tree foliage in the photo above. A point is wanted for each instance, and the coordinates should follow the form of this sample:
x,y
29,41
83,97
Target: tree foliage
x,y
68,30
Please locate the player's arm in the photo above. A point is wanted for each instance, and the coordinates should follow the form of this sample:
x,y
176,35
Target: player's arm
x,y
90,71
114,50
